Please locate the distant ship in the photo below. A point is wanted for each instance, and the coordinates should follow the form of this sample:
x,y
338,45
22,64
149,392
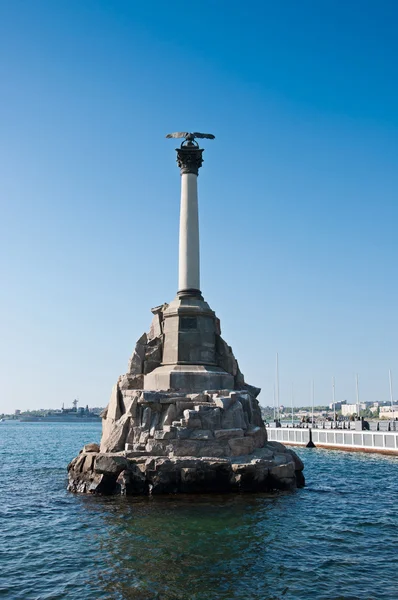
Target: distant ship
x,y
65,415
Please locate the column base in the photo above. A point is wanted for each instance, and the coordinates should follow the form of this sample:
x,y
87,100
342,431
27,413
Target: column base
x,y
188,378
192,292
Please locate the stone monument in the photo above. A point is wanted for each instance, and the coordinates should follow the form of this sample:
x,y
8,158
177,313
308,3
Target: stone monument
x,y
182,418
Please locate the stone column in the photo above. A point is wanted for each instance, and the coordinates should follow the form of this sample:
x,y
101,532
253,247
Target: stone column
x,y
189,159
189,325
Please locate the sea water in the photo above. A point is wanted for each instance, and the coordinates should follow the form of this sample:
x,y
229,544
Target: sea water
x,y
336,539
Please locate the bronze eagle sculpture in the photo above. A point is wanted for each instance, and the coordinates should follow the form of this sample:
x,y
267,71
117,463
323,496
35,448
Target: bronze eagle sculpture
x,y
189,137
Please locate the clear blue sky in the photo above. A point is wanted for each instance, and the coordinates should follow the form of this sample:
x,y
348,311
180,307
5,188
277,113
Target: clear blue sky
x,y
298,193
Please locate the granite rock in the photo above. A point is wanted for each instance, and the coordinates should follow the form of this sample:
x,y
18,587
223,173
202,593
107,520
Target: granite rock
x,y
116,439
121,474
91,448
135,365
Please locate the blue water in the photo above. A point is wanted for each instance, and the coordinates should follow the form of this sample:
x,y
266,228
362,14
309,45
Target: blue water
x,y
336,539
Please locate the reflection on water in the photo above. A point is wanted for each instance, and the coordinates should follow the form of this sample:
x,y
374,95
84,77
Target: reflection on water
x,y
332,540
185,547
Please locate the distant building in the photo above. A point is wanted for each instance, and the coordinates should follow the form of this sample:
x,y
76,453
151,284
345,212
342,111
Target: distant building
x,y
350,409
389,412
17,411
337,405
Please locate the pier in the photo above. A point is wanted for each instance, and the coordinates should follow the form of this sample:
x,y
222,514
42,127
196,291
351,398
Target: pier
x,y
353,440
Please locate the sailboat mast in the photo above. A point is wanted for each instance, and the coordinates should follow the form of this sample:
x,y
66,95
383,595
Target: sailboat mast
x,y
313,401
357,393
274,405
277,386
292,406
391,394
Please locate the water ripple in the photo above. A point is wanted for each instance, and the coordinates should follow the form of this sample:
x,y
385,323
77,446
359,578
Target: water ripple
x,y
333,540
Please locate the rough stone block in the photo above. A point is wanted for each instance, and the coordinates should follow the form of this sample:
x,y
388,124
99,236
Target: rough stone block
x,y
117,437
131,405
190,414
171,400
213,449
169,416
164,435
225,357
202,434
233,417
242,466
153,357
91,448
88,465
228,433
149,396
218,392
131,382
132,481
144,437
183,433
241,446
192,419
226,402
239,379
137,447
277,447
263,454
154,424
156,447
184,448
282,459
198,397
133,435
283,471
259,435
200,408
169,428
137,358
211,419
245,400
189,474
114,408
298,463
156,328
110,463
146,418
253,391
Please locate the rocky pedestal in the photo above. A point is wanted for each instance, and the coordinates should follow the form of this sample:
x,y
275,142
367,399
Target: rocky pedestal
x,y
168,442
270,468
182,439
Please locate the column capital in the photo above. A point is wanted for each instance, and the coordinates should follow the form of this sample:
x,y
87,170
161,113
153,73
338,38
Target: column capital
x,y
189,159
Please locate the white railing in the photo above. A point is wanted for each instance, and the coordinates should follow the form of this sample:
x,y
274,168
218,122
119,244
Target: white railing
x,y
336,438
